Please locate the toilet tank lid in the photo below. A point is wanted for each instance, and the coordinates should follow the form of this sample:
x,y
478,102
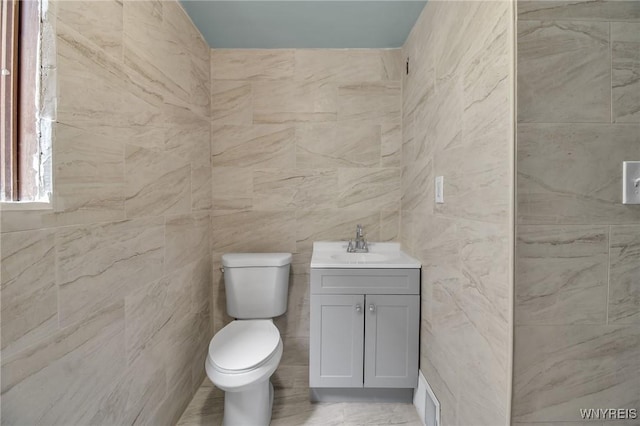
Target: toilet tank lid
x,y
248,260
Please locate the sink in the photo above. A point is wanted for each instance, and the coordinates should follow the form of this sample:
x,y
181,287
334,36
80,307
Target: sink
x,y
362,257
330,254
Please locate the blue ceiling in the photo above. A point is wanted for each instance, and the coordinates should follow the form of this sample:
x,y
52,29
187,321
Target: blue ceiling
x,y
338,24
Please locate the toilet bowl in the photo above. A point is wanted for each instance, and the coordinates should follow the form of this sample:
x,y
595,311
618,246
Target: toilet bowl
x,y
246,352
241,359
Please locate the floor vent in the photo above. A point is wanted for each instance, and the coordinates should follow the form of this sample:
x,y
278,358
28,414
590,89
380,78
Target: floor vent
x,y
426,403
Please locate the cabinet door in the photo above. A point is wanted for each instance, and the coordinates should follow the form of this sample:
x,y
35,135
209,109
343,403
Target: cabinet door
x,y
391,341
336,344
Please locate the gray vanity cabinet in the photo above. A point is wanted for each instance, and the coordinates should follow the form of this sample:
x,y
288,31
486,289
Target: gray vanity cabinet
x,y
391,341
337,344
365,340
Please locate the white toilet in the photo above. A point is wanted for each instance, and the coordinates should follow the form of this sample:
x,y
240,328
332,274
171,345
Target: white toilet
x,y
244,354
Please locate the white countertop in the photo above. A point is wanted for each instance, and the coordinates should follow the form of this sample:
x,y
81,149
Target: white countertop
x,y
333,254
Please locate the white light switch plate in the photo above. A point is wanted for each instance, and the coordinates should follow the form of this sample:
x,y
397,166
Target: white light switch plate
x,y
631,182
439,190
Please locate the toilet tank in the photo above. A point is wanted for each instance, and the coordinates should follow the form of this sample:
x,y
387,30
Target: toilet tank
x,y
256,284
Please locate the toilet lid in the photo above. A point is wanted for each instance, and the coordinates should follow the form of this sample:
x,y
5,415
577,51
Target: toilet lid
x,y
244,344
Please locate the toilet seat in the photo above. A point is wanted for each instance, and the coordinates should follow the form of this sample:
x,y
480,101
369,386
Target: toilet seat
x,y
243,346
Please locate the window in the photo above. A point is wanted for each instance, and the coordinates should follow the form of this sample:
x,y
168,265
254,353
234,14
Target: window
x,y
22,169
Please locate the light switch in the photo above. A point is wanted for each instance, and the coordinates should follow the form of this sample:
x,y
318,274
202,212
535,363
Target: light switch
x,y
631,182
439,189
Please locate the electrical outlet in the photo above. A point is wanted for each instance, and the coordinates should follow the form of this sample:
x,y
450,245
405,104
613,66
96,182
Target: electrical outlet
x,y
439,190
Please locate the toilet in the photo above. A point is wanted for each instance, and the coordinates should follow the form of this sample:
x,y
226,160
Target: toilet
x,y
245,353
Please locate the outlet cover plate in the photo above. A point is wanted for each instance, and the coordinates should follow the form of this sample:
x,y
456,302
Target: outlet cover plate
x,y
631,182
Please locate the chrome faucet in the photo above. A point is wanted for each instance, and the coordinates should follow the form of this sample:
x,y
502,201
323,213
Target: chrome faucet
x,y
359,245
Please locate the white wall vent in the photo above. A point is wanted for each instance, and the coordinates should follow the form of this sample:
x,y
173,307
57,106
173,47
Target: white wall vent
x,y
426,403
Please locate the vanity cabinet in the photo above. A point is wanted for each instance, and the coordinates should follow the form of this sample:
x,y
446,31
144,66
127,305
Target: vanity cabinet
x,y
364,330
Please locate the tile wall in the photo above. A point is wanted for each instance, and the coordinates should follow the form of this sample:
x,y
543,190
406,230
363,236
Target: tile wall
x,y
305,144
458,123
577,305
105,313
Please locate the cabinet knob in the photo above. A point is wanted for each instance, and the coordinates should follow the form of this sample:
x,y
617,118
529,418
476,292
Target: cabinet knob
x,y
358,308
372,308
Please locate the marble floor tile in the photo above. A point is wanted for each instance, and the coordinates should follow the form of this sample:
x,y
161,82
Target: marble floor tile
x,y
291,407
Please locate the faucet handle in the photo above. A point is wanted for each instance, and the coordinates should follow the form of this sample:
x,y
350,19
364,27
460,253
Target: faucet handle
x,y
359,231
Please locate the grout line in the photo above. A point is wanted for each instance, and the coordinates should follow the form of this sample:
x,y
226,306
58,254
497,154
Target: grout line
x,y
608,276
610,74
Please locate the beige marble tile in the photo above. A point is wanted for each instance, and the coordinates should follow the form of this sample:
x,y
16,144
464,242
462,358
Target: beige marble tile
x,y
341,144
29,291
252,231
393,64
289,189
441,342
391,145
186,134
294,323
560,369
37,387
89,173
369,189
625,52
178,396
231,102
99,22
205,408
199,274
149,49
186,239
570,173
482,399
561,275
100,264
380,414
583,10
485,296
587,423
389,225
146,311
204,333
94,87
201,185
487,84
156,183
448,402
417,186
177,343
200,96
342,65
475,178
252,64
370,102
232,188
292,407
624,274
138,390
333,225
582,92
263,146
287,101
177,43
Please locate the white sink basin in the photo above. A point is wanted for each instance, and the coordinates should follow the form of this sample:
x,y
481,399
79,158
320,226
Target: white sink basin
x,y
381,255
362,257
